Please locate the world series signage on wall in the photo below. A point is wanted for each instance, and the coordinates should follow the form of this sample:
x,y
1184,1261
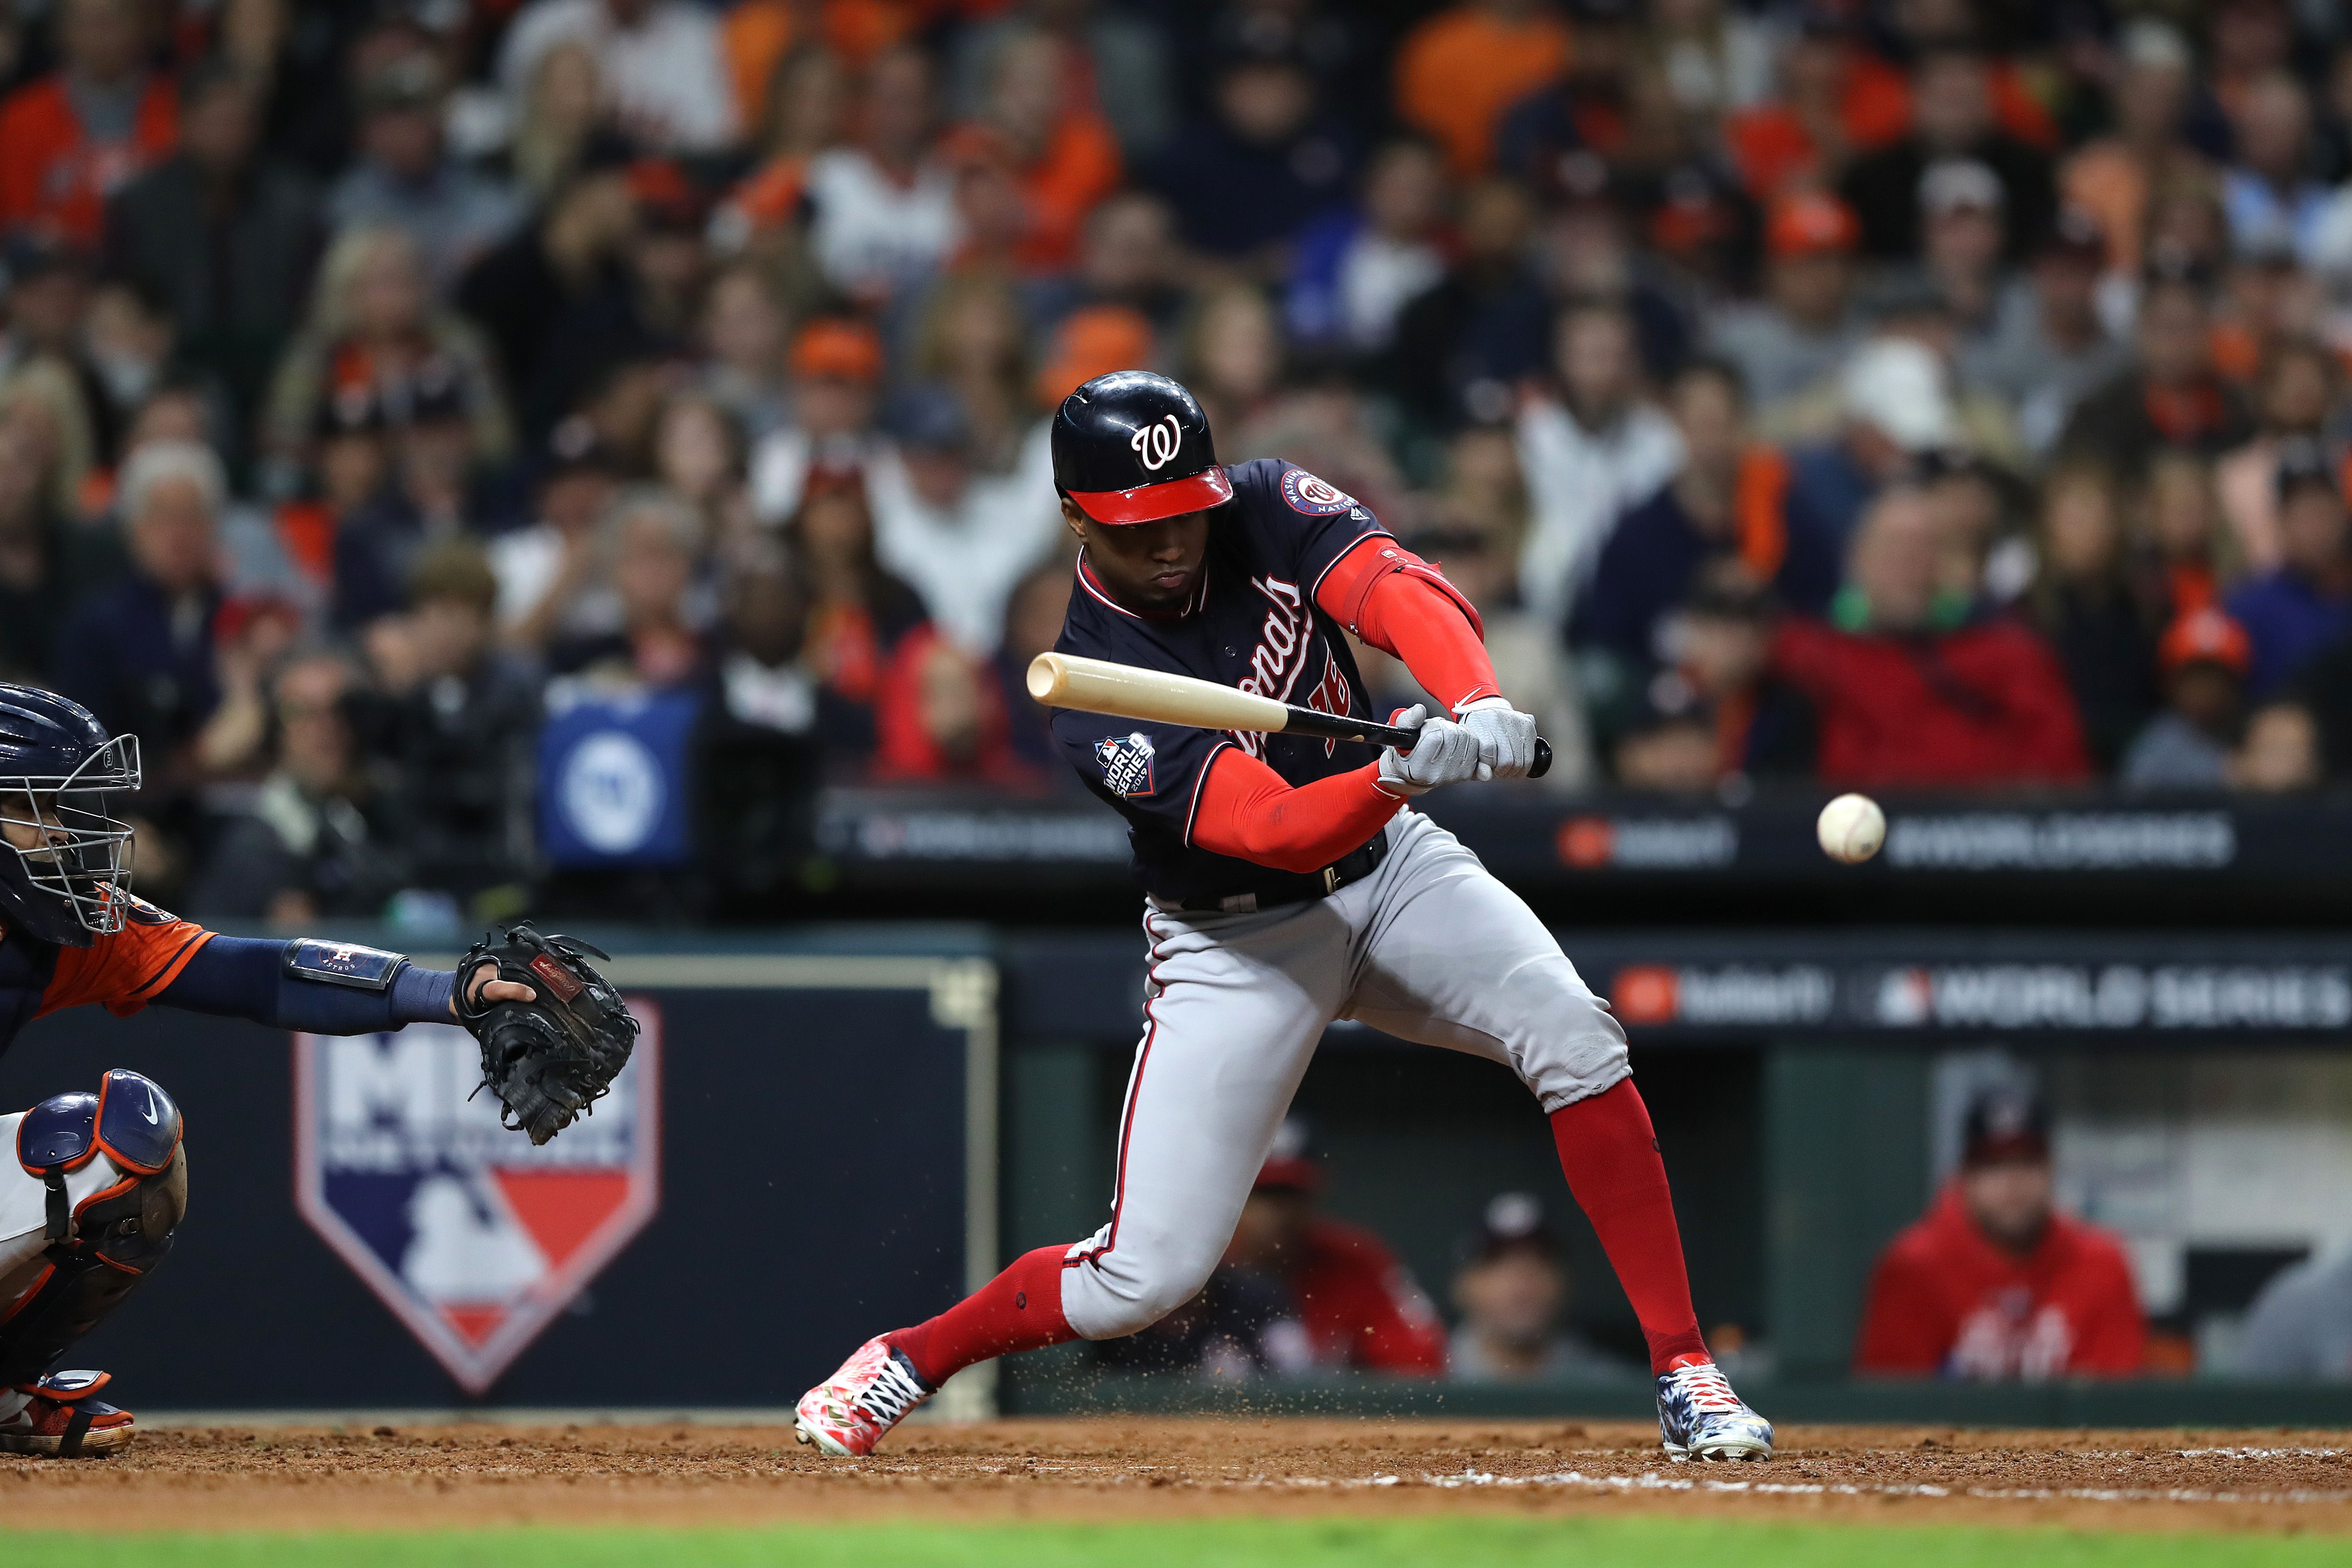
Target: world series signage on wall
x,y
2011,997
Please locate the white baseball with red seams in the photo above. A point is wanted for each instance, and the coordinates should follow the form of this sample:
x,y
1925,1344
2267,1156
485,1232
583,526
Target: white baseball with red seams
x,y
1851,828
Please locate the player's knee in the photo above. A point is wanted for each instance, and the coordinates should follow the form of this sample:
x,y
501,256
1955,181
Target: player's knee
x,y
133,1126
1134,1290
1579,1048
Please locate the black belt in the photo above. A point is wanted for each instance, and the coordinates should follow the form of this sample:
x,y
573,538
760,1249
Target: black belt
x,y
1352,866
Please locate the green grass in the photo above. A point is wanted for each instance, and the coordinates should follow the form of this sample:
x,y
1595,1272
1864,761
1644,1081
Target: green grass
x,y
1447,1542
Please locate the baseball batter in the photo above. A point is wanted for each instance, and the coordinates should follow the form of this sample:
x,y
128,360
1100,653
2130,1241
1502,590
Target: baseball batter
x,y
1289,883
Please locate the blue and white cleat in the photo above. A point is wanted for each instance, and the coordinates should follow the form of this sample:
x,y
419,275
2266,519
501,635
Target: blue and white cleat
x,y
1700,1418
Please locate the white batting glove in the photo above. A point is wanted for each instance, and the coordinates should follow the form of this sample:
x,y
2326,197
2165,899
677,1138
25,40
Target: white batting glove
x,y
1507,737
1444,752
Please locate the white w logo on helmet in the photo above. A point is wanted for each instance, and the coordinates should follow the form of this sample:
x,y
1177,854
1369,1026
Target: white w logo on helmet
x,y
1156,444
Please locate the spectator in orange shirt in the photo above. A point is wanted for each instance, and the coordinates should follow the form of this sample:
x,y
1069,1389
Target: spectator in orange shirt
x,y
1836,101
1060,157
81,133
760,36
2112,177
1995,1283
1459,70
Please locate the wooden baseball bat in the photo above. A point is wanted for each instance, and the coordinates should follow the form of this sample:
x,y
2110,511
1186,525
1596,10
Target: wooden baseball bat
x,y
1098,686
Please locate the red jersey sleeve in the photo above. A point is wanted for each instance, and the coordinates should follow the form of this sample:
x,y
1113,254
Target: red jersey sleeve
x,y
125,970
2114,1331
1906,1328
1246,811
1362,1307
2048,727
1401,604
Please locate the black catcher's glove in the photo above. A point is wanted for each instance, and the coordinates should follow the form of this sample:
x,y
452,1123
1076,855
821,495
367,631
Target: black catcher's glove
x,y
550,1058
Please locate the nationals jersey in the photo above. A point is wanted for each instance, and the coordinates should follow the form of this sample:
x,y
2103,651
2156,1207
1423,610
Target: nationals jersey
x,y
1252,623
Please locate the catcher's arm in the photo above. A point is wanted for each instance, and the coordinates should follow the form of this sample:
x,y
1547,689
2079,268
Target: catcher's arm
x,y
321,987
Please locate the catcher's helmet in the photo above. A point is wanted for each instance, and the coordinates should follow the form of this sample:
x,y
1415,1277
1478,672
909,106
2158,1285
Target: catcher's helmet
x,y
58,765
1133,447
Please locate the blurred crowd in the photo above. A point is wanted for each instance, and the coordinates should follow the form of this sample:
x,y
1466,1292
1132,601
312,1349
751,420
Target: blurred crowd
x,y
1301,1294
1996,1282
1874,392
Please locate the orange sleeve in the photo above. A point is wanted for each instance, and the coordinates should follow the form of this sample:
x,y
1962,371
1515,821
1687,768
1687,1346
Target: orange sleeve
x,y
125,971
755,37
1081,167
1761,507
1458,72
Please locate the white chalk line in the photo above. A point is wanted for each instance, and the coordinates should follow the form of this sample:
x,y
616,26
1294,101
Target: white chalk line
x,y
1650,1481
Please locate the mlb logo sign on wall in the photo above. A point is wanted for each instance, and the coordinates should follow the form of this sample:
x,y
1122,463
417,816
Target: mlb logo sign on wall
x,y
474,1237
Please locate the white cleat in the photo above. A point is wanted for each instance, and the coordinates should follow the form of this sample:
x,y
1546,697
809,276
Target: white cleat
x,y
1700,1418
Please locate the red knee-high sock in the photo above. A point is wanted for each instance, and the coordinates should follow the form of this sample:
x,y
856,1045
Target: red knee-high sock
x,y
1020,1310
1608,1152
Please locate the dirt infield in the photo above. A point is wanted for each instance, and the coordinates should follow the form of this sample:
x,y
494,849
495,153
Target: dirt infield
x,y
1107,1470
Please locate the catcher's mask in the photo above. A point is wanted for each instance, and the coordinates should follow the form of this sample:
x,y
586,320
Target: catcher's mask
x,y
68,856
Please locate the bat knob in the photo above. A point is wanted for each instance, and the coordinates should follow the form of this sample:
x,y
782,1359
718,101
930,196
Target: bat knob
x,y
1542,764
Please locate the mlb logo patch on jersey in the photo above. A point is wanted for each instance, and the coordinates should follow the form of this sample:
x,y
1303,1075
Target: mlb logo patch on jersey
x,y
1316,497
1126,763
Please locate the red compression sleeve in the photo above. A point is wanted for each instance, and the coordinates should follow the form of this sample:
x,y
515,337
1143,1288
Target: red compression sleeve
x,y
1247,812
1020,1310
1402,605
1609,1151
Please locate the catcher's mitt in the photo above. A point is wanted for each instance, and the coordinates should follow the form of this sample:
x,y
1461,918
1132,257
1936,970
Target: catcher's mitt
x,y
550,1058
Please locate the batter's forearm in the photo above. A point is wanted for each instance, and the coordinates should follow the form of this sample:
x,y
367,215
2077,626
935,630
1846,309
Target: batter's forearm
x,y
1249,812
248,977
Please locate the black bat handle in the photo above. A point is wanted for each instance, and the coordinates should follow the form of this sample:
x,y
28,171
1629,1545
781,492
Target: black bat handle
x,y
1307,721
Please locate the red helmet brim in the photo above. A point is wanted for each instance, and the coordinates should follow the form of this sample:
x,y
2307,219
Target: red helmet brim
x,y
1150,504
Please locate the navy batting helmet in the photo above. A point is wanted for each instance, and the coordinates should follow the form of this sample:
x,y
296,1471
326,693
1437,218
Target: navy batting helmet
x,y
1133,447
68,858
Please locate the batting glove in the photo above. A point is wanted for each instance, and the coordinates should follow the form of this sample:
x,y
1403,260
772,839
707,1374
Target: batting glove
x,y
1444,752
1507,737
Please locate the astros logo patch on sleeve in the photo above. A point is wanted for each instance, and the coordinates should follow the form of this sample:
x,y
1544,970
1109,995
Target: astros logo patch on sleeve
x,y
1316,497
135,908
1126,763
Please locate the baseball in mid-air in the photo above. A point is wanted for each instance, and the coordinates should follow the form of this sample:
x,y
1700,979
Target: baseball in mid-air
x,y
1852,828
